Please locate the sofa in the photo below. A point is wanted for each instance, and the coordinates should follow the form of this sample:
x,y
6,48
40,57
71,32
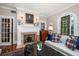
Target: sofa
x,y
61,47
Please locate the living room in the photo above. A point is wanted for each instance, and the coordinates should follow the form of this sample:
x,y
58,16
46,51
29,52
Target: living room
x,y
38,26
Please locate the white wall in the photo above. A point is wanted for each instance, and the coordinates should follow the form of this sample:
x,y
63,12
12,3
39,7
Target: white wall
x,y
54,19
21,13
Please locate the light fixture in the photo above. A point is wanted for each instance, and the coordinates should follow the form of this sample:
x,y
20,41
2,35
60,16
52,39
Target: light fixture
x,y
50,28
36,21
21,17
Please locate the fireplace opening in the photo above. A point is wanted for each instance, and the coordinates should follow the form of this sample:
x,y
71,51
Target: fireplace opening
x,y
28,38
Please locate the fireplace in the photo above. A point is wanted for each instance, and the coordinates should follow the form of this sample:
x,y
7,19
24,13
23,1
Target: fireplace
x,y
28,37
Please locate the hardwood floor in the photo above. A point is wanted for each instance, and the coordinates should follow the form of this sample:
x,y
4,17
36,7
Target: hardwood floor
x,y
46,51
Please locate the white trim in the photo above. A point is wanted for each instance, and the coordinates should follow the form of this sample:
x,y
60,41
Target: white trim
x,y
27,11
6,16
30,11
10,17
60,10
6,7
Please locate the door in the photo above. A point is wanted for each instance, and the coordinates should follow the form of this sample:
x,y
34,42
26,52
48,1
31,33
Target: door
x,y
6,30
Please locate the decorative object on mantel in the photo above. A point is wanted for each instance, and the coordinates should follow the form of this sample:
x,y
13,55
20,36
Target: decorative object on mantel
x,y
70,43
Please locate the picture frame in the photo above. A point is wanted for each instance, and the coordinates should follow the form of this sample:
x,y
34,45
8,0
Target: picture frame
x,y
29,18
42,26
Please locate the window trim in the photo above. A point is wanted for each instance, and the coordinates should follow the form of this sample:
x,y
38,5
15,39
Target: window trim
x,y
75,23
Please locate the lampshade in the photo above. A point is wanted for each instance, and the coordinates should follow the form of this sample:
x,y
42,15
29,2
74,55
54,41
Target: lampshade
x,y
50,27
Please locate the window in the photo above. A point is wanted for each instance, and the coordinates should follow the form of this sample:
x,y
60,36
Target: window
x,y
6,30
67,25
65,20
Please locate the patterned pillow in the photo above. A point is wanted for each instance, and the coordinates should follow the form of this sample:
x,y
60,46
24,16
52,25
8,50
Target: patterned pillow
x,y
56,37
70,42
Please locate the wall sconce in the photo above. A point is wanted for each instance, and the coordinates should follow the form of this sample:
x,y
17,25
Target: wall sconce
x,y
21,17
36,22
20,20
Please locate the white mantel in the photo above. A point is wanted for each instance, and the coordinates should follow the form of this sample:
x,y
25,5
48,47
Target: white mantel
x,y
25,28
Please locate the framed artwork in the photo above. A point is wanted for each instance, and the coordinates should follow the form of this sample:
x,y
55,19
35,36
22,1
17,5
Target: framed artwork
x,y
65,25
29,18
42,26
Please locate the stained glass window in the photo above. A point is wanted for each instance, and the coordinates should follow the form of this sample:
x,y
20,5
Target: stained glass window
x,y
65,25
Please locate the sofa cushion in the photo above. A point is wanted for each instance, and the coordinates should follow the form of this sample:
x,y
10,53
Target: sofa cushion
x,y
56,38
64,38
50,37
70,42
77,42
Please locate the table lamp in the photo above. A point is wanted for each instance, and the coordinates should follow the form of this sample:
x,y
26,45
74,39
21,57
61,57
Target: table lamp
x,y
50,29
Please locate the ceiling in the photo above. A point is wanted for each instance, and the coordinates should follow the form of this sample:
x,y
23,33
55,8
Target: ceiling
x,y
45,9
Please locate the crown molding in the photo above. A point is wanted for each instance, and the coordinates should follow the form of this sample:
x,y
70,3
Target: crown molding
x,y
27,10
7,7
30,11
60,10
